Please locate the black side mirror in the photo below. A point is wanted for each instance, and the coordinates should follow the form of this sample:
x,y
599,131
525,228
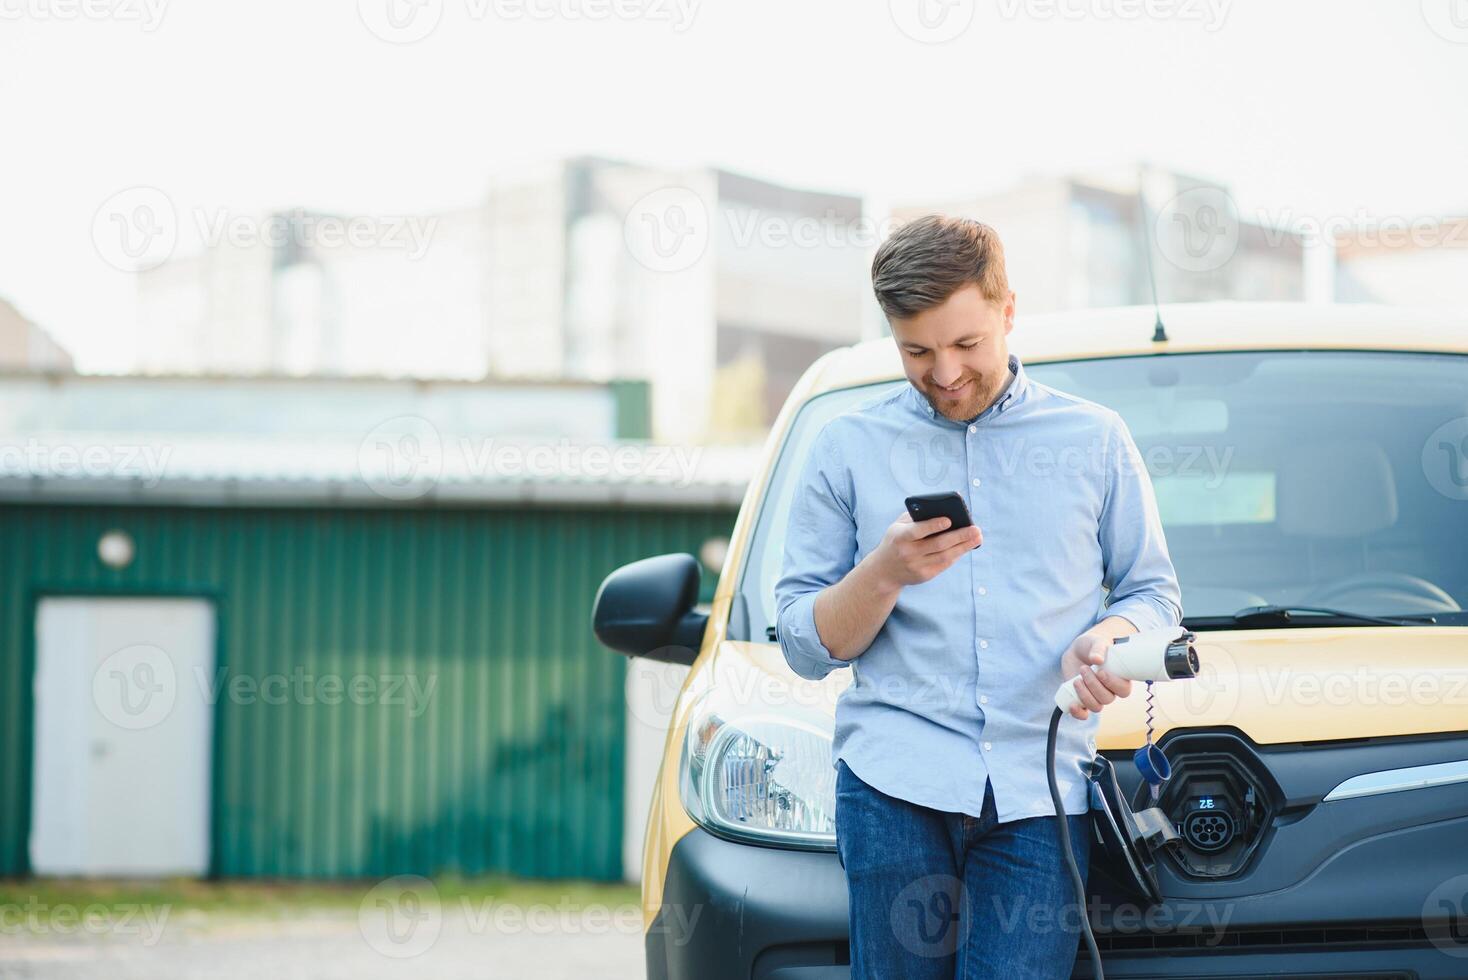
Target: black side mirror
x,y
645,609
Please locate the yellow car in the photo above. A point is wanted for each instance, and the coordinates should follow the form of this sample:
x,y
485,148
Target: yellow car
x,y
1311,468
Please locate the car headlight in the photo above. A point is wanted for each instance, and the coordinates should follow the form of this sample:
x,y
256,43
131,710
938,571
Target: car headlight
x,y
759,775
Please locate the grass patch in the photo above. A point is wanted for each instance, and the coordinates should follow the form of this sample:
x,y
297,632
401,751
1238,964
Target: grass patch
x,y
269,897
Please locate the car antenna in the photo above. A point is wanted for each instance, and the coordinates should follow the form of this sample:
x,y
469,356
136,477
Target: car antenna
x,y
1159,332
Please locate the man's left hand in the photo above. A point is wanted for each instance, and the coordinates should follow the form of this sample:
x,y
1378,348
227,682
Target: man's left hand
x,y
1096,688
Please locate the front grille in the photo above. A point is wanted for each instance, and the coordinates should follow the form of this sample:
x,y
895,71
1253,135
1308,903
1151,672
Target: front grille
x,y
1374,936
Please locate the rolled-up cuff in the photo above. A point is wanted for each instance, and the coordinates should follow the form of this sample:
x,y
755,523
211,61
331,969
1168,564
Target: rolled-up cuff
x,y
1144,612
801,643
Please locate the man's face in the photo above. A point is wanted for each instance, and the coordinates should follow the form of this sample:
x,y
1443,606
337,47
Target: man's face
x,y
957,354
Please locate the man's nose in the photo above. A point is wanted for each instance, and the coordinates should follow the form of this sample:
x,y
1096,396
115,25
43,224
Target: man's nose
x,y
946,369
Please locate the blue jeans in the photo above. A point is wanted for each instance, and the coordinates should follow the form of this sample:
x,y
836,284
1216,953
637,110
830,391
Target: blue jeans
x,y
936,894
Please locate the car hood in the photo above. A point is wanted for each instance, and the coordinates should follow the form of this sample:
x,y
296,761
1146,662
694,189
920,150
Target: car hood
x,y
1274,686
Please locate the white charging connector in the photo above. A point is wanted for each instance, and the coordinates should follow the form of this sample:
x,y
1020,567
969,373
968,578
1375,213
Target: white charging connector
x,y
1151,655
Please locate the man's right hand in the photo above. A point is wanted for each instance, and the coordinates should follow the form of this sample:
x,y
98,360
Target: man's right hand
x,y
916,552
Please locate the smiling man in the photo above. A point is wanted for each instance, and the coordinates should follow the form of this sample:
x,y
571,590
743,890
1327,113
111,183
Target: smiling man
x,y
958,637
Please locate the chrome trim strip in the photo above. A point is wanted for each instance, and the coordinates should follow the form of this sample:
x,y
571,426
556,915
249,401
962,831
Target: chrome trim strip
x,y
1397,780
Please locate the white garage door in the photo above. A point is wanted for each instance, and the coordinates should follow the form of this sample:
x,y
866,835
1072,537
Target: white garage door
x,y
123,735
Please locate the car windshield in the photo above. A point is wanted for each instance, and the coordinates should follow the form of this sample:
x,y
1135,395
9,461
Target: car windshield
x,y
1334,479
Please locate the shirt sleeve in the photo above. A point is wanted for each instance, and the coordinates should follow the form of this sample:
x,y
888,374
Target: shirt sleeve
x,y
1138,570
820,548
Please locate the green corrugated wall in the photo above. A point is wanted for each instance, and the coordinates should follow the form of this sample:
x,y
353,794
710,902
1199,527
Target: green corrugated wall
x,y
516,765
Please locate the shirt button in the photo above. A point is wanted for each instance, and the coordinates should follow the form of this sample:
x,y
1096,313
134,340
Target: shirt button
x,y
988,746
983,644
973,428
983,591
983,699
977,481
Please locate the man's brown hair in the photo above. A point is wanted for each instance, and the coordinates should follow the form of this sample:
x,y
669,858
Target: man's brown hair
x,y
926,261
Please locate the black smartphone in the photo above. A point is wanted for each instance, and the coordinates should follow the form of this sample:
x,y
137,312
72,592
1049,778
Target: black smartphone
x,y
950,505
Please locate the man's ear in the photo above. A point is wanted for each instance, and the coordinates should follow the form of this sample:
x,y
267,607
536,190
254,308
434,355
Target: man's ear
x,y
1009,312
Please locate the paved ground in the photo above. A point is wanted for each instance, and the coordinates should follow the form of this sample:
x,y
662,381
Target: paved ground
x,y
477,941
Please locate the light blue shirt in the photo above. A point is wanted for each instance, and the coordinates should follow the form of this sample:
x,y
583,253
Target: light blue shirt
x,y
959,683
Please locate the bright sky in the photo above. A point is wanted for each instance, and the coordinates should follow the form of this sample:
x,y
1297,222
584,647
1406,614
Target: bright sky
x,y
1314,107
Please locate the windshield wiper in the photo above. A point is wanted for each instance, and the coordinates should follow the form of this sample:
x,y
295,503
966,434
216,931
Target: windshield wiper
x,y
1286,616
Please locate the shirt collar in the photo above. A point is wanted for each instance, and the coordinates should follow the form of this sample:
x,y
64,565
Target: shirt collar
x,y
1012,395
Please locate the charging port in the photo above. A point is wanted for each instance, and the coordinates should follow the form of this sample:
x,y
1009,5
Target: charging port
x,y
1221,799
1209,830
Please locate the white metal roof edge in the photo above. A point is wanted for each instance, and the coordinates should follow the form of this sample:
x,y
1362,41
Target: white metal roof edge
x,y
355,493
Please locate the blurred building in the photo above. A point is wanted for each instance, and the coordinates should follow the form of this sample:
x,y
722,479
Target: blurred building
x,y
718,288
1081,242
1421,264
304,627
554,275
25,346
311,293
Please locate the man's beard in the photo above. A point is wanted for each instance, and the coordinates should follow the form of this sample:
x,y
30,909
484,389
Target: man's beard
x,y
980,393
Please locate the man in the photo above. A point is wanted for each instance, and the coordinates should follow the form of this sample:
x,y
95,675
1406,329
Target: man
x,y
958,638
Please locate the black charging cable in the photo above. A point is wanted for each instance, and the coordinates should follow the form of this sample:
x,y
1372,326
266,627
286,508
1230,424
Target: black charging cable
x,y
1065,846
